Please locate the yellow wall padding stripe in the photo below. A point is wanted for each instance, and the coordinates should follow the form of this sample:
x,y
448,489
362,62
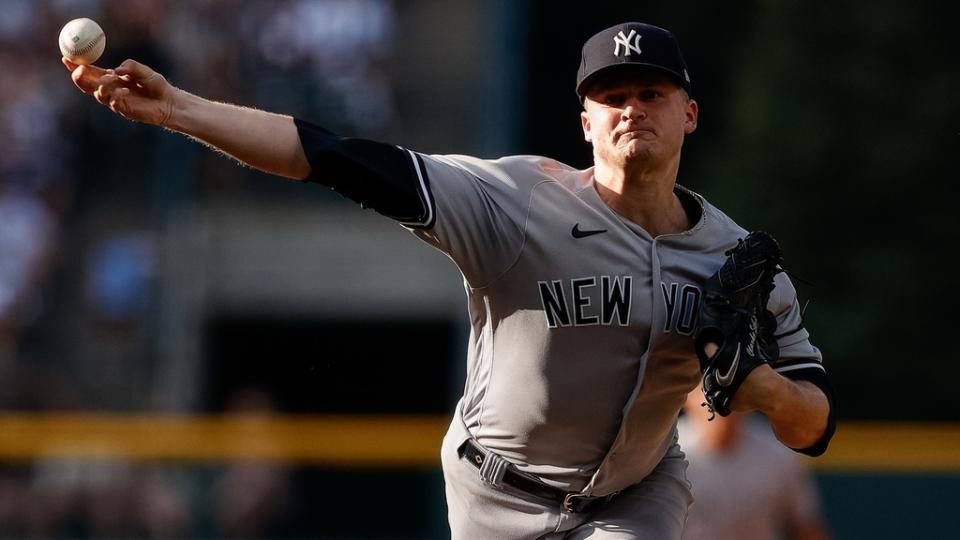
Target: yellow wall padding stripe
x,y
384,441
394,441
893,447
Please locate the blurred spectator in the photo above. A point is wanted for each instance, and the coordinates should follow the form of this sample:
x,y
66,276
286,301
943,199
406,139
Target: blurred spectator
x,y
27,239
252,497
99,499
118,275
162,507
27,234
746,485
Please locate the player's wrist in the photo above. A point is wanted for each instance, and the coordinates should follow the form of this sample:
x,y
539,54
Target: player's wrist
x,y
760,391
180,111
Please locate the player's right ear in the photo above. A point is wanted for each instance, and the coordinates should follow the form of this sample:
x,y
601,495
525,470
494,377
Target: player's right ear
x,y
585,123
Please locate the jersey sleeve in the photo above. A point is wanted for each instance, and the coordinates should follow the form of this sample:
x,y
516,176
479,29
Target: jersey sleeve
x,y
375,175
796,351
799,359
478,212
470,209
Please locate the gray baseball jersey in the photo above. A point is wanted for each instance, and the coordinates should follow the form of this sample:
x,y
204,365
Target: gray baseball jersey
x,y
580,353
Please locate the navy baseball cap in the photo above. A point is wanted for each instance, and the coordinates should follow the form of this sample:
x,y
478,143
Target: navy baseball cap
x,y
631,44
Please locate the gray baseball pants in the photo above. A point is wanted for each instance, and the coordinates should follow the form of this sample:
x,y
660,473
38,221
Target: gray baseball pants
x,y
654,509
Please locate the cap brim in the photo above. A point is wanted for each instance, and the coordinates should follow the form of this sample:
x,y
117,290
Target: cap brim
x,y
589,79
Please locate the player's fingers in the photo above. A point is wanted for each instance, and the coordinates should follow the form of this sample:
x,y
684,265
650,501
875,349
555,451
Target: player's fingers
x,y
70,65
111,79
105,88
87,78
135,70
100,95
117,100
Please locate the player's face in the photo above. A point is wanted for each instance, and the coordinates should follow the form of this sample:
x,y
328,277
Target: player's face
x,y
642,118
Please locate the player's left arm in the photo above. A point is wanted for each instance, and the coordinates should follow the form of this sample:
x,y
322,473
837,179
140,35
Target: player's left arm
x,y
800,411
793,391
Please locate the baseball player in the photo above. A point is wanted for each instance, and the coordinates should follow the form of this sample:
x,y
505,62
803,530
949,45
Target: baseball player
x,y
583,288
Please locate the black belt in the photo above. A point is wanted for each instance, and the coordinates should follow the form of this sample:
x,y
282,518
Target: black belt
x,y
570,501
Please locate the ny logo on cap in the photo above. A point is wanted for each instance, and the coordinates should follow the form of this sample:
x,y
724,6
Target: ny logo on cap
x,y
621,39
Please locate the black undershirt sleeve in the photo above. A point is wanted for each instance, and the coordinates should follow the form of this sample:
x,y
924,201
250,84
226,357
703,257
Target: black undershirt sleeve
x,y
375,175
819,378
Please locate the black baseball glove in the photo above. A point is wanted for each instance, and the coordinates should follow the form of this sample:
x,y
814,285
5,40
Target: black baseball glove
x,y
734,316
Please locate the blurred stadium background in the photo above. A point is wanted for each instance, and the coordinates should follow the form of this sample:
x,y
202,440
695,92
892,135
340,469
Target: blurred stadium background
x,y
189,349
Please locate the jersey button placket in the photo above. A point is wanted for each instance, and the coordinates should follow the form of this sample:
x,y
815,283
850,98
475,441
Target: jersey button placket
x,y
656,298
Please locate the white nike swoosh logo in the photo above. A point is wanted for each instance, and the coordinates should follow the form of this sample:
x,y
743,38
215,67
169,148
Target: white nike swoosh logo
x,y
727,378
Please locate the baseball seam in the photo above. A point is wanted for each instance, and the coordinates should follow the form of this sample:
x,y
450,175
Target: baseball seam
x,y
84,50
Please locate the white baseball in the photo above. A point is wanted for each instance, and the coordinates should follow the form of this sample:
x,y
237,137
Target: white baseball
x,y
82,41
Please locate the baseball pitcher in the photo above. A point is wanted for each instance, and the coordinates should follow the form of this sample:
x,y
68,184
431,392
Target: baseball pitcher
x,y
598,298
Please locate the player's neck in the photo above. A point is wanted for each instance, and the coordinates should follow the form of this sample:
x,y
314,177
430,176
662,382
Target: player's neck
x,y
643,196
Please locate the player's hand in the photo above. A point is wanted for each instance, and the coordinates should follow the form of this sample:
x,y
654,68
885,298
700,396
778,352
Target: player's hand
x,y
131,90
751,394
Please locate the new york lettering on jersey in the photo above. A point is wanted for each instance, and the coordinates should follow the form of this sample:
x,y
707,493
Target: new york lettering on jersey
x,y
569,302
605,300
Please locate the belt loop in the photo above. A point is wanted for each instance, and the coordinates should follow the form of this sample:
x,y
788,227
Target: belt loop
x,y
493,468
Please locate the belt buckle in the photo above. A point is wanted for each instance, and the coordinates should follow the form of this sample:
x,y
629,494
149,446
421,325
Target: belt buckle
x,y
569,500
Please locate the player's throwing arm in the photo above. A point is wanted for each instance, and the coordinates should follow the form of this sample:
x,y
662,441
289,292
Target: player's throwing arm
x,y
260,139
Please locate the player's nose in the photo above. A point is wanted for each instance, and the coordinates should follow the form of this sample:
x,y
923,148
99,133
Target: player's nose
x,y
633,109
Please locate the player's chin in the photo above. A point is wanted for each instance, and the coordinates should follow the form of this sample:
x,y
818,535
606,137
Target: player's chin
x,y
637,151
